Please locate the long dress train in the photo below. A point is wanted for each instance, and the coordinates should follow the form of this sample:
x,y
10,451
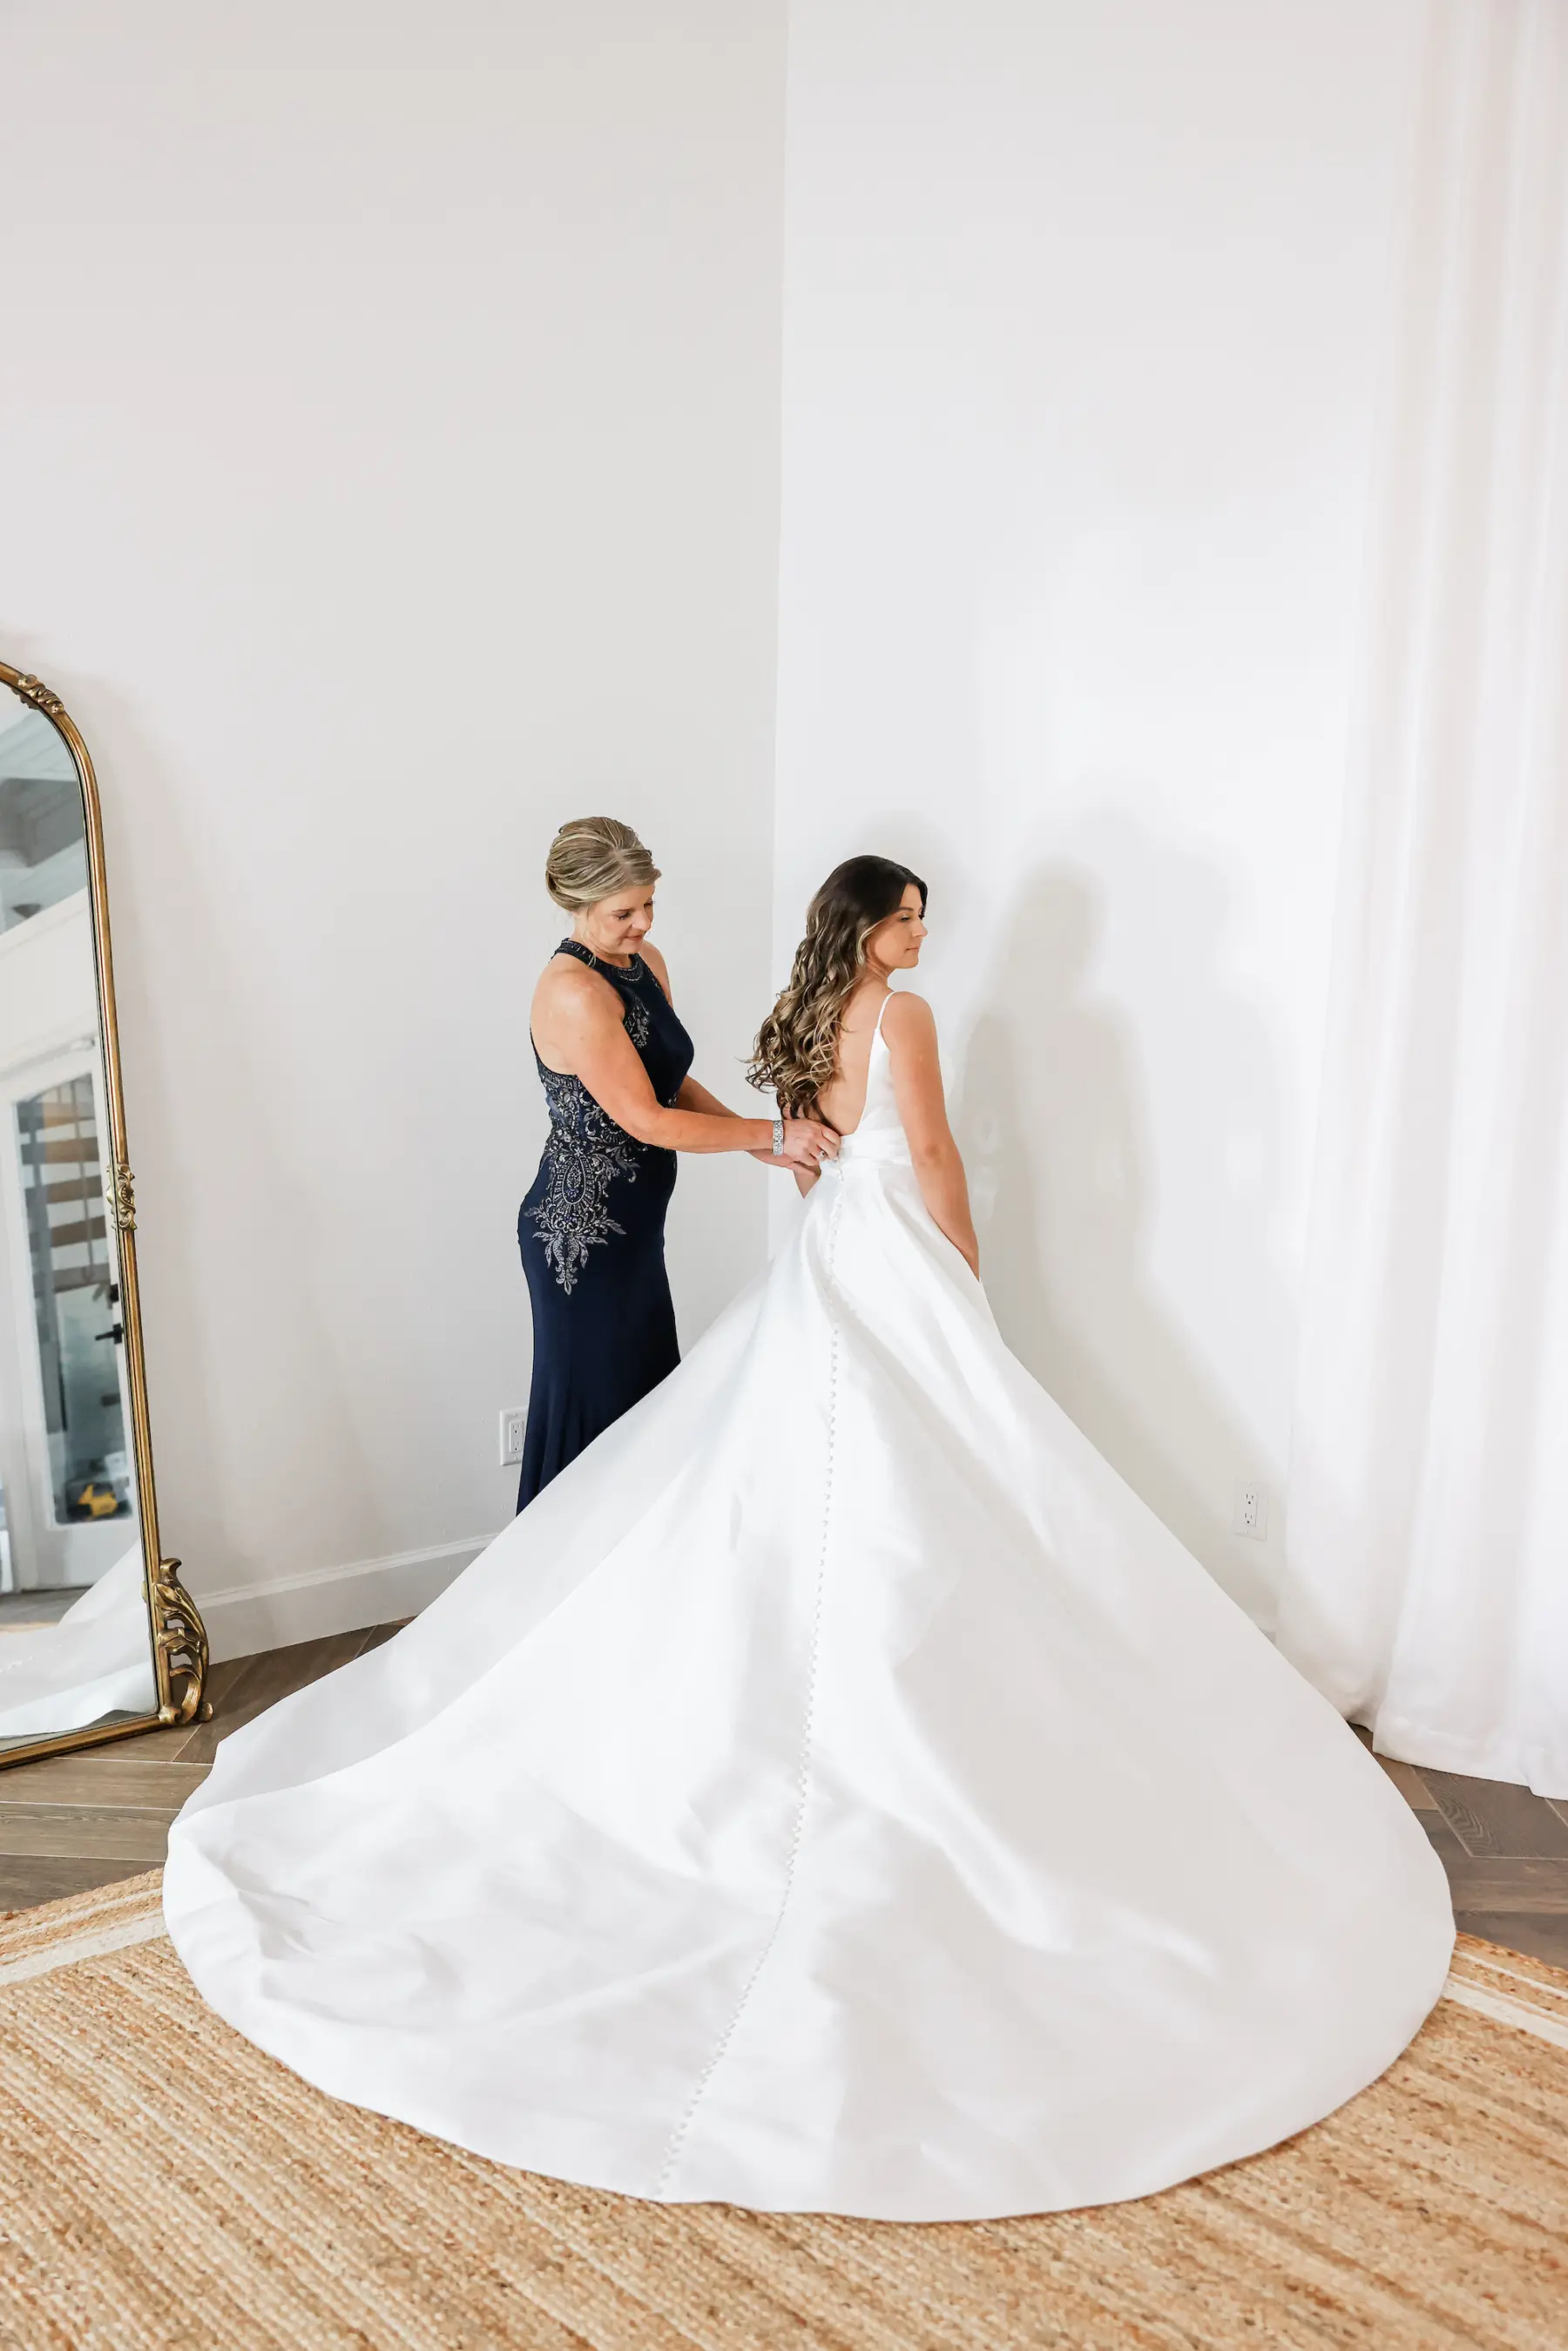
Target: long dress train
x,y
838,1791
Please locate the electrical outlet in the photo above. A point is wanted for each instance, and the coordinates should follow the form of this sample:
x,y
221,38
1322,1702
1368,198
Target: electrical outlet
x,y
1252,1515
514,1421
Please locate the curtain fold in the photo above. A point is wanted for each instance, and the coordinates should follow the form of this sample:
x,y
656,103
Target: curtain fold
x,y
1426,1584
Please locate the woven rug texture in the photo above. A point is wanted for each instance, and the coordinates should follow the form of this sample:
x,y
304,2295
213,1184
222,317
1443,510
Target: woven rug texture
x,y
164,2187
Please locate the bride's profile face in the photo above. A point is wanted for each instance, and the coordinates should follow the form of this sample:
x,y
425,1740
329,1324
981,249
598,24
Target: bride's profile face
x,y
895,945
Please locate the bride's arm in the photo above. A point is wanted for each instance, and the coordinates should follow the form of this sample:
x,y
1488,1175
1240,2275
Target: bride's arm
x,y
912,1035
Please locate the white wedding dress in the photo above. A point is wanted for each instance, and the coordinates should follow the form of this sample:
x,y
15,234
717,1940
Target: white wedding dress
x,y
836,1792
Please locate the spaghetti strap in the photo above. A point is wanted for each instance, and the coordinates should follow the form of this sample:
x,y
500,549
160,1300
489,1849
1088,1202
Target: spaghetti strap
x,y
877,1031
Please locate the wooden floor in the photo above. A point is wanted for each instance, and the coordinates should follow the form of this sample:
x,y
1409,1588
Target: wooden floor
x,y
38,1607
1506,1852
72,1822
77,1821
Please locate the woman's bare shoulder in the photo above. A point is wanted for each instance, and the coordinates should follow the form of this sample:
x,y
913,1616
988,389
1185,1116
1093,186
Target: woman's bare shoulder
x,y
909,1033
908,1015
570,989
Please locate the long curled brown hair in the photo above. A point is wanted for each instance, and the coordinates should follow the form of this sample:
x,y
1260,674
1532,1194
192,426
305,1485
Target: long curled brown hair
x,y
796,1049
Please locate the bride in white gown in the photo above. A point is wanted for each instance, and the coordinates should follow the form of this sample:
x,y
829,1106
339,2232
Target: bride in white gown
x,y
837,1792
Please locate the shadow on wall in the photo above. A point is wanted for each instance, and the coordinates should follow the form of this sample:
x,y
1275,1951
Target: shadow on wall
x,y
1053,1114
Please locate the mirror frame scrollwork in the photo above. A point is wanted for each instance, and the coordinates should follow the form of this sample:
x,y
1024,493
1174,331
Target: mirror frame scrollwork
x,y
178,1637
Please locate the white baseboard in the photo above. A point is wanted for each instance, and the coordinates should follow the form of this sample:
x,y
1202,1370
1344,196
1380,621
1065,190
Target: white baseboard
x,y
326,1600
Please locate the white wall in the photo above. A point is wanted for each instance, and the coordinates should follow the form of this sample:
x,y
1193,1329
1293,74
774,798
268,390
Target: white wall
x,y
392,434
1082,352
389,420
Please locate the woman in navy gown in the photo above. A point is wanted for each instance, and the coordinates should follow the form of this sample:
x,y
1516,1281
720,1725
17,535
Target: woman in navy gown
x,y
615,1063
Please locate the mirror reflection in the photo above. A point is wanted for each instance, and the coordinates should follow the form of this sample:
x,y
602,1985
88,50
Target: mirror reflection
x,y
74,1633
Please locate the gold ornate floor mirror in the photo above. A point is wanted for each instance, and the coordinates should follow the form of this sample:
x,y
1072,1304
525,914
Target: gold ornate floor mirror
x,y
97,1637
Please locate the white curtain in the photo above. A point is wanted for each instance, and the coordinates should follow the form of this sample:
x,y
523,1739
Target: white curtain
x,y
1427,1584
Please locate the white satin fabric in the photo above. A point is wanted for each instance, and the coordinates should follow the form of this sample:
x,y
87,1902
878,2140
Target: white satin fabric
x,y
836,1793
95,1659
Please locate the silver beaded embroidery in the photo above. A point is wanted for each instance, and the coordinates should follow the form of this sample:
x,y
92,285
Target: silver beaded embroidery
x,y
637,1021
586,1152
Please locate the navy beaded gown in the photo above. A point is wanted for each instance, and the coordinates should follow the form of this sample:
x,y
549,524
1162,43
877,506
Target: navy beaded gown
x,y
591,1231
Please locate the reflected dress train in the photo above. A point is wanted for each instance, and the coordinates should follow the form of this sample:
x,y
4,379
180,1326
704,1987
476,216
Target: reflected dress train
x,y
836,1793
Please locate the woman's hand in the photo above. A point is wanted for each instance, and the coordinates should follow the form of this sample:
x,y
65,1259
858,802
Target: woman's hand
x,y
807,1144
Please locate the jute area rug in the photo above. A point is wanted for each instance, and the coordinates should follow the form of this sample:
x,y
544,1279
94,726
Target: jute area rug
x,y
163,2187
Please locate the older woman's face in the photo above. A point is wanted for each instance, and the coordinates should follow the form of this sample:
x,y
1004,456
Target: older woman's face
x,y
619,925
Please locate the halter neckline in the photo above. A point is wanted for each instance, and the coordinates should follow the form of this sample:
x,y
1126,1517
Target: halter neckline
x,y
632,970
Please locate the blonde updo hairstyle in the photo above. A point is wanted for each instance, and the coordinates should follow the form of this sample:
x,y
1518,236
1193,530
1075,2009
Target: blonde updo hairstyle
x,y
593,858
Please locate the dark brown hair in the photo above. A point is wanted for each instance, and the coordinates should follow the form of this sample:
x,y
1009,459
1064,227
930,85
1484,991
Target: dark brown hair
x,y
796,1049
